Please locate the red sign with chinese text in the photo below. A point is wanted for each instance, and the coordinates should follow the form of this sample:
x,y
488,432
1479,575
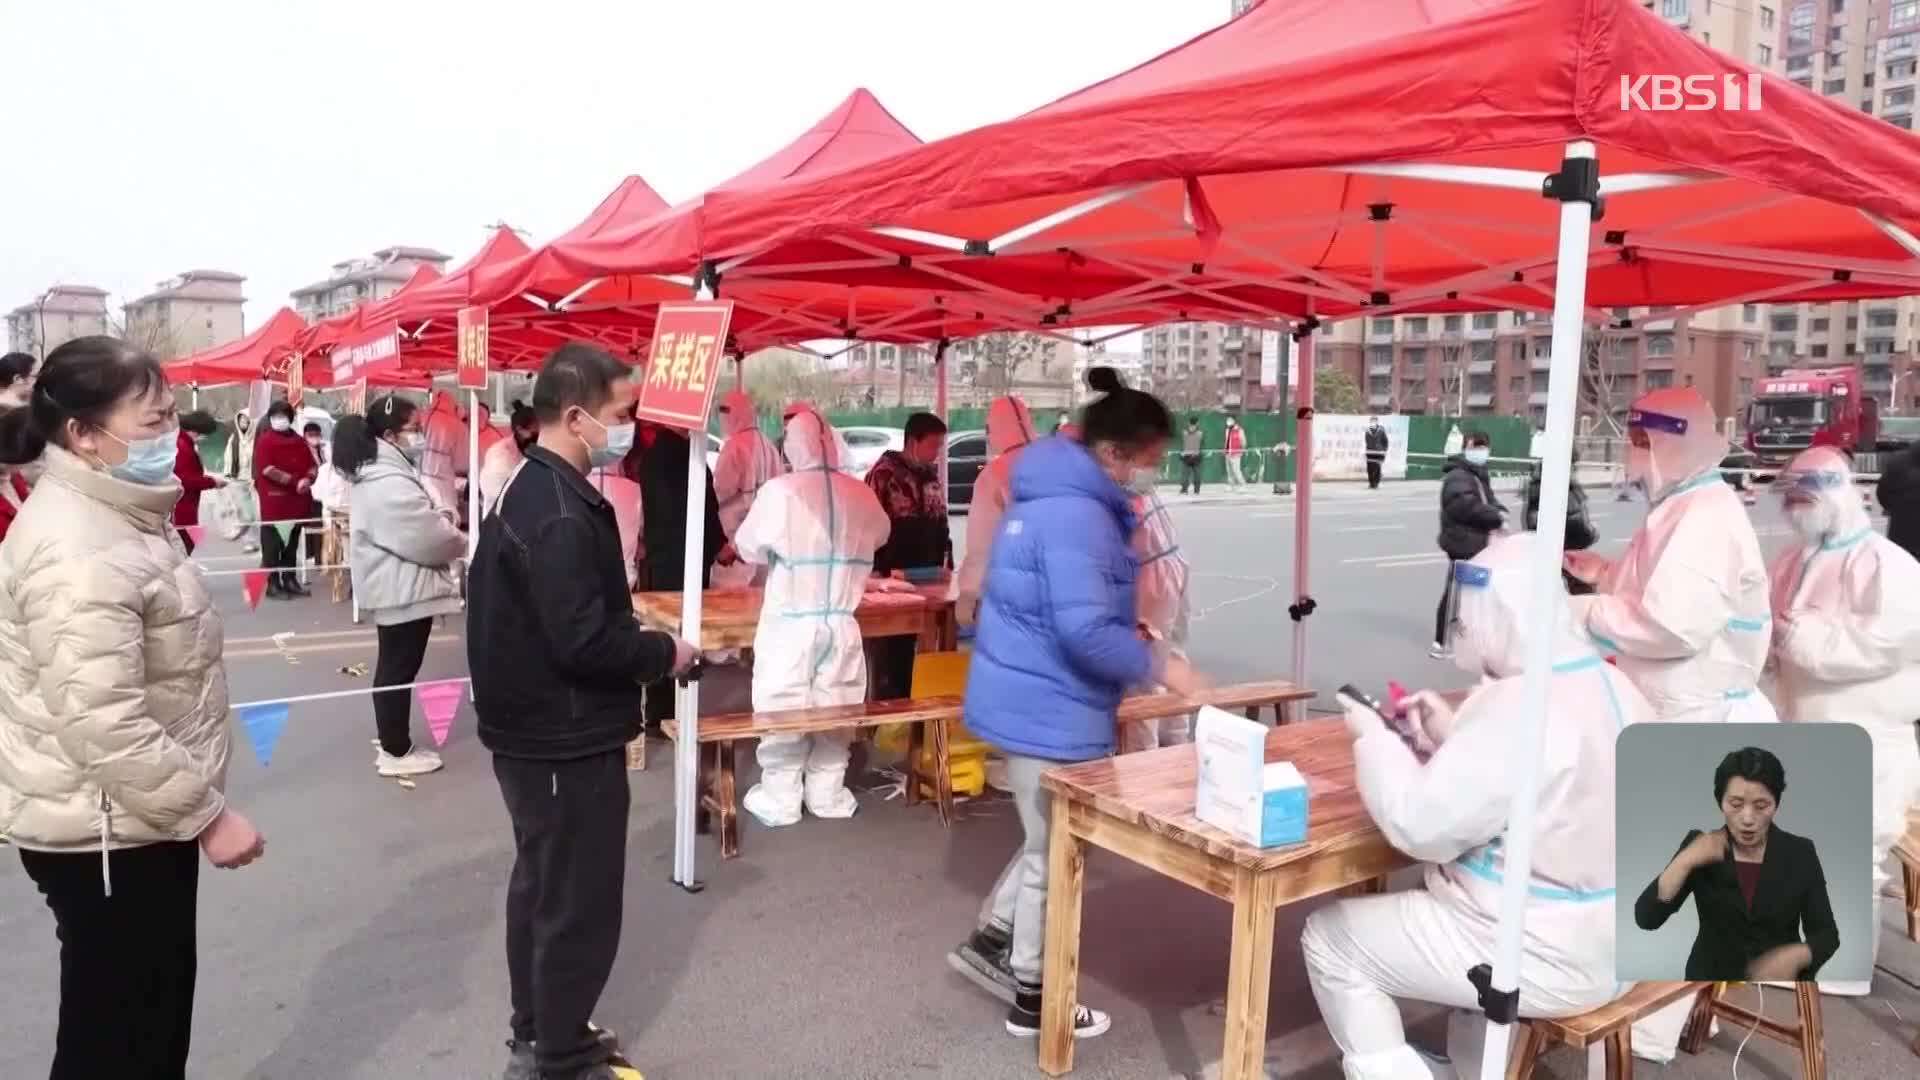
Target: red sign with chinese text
x,y
296,379
473,348
357,399
688,341
358,357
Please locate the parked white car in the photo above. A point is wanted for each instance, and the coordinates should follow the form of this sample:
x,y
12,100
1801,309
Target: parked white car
x,y
868,443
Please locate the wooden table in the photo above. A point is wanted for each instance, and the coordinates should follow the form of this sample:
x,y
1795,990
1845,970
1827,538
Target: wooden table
x,y
1141,806
730,617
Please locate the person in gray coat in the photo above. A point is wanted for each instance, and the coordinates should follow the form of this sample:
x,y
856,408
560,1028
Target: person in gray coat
x,y
401,552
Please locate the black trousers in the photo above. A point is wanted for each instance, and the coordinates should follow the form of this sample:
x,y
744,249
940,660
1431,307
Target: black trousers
x,y
1443,614
564,900
1373,472
278,554
127,961
400,650
893,667
186,540
1190,472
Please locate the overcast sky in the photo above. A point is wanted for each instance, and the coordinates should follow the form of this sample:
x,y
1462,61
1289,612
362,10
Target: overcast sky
x,y
275,139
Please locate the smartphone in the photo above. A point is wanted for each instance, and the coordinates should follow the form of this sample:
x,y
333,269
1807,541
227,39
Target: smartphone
x,y
1351,696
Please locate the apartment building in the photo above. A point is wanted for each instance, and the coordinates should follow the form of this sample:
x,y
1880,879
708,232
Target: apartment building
x,y
188,313
57,316
357,281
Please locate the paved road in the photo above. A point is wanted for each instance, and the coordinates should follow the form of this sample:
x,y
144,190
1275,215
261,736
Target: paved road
x,y
367,943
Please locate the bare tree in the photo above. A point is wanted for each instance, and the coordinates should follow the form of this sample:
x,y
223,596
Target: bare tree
x,y
778,376
1453,377
1598,375
1001,360
152,336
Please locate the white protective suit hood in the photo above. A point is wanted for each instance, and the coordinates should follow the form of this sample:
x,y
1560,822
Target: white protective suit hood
x,y
1492,626
1009,430
1682,437
736,413
1817,494
747,460
816,529
1009,425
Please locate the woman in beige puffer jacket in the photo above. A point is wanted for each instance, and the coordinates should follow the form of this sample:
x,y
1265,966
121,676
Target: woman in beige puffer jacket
x,y
113,708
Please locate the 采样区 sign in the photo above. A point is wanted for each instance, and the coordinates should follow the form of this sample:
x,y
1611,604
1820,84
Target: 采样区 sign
x,y
359,357
473,348
688,340
296,379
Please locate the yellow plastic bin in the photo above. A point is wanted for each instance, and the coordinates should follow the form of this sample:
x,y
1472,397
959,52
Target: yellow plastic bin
x,y
943,674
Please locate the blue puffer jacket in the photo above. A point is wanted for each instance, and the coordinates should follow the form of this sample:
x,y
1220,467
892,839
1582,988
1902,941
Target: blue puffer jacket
x,y
1057,646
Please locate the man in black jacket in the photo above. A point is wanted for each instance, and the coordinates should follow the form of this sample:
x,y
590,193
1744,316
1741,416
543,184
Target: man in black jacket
x,y
1469,515
557,661
1376,450
1898,493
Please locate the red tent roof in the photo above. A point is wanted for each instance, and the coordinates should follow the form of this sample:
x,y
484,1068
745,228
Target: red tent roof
x,y
240,360
444,298
1271,163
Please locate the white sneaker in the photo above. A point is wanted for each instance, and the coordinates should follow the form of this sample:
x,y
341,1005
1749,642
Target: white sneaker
x,y
1439,651
415,762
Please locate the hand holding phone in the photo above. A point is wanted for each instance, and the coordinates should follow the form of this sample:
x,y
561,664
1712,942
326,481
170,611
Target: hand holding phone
x,y
1363,711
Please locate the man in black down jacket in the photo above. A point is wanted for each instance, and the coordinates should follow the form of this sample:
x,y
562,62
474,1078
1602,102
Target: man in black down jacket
x,y
1469,514
557,661
1579,533
1899,495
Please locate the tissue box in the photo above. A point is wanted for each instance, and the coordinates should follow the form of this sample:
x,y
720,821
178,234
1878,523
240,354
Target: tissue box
x,y
1241,793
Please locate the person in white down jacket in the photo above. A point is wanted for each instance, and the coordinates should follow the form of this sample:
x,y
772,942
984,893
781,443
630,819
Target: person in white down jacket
x,y
401,552
113,709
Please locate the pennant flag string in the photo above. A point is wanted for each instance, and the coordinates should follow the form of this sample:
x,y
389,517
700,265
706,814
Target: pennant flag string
x,y
258,524
332,695
255,583
263,724
309,568
439,701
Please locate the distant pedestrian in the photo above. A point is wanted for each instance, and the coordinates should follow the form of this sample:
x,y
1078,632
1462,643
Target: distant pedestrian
x,y
1898,493
192,473
1579,533
1469,516
1376,450
1236,446
1193,448
283,474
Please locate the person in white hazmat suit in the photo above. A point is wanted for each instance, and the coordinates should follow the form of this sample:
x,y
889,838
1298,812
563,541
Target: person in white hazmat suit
x,y
1164,608
1009,430
816,530
1684,609
747,460
445,455
1846,642
1451,813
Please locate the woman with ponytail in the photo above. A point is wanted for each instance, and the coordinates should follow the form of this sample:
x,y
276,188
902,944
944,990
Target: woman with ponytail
x,y
401,551
1057,648
113,708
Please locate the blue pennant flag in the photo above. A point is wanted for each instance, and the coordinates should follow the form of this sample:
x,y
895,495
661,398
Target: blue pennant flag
x,y
263,725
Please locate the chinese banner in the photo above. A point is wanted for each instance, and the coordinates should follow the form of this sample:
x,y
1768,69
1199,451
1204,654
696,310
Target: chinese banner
x,y
473,348
357,397
358,357
688,340
296,379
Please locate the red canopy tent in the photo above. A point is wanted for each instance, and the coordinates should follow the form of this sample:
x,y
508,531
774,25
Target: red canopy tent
x,y
1320,158
240,360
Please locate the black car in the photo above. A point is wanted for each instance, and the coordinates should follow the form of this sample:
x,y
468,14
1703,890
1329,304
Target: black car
x,y
966,456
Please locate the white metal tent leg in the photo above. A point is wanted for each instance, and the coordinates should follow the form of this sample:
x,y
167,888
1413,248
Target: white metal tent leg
x,y
686,749
1570,293
473,473
940,408
1302,497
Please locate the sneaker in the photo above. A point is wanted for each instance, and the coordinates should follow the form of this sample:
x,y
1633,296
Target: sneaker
x,y
1023,1017
982,958
521,1064
1439,651
415,762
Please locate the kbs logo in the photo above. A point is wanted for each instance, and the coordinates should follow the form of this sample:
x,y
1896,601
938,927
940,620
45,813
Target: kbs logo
x,y
1695,93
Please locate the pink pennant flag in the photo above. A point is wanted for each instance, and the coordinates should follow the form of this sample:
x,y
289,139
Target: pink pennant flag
x,y
439,701
255,583
195,533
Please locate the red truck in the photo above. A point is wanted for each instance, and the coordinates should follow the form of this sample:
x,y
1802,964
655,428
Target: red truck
x,y
1813,407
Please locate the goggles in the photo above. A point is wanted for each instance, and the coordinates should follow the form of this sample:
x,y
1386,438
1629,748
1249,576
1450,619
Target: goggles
x,y
1639,422
1813,483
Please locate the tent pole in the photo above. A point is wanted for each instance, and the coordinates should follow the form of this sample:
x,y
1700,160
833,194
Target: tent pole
x,y
196,395
1576,187
686,749
1302,497
473,473
939,402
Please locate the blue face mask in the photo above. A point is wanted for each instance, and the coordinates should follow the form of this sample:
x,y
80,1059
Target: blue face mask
x,y
149,461
619,443
1479,455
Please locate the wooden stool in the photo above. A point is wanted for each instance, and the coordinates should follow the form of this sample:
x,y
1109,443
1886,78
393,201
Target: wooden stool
x,y
1610,1024
1809,1036
1907,851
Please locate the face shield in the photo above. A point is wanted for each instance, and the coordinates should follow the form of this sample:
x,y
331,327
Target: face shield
x,y
1817,495
1672,438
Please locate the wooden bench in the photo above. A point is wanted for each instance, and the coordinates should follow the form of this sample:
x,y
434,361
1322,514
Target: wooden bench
x,y
1907,851
1610,1024
1809,1036
720,737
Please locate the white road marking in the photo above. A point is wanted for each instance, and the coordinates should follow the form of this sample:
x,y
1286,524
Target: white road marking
x,y
1373,528
1400,559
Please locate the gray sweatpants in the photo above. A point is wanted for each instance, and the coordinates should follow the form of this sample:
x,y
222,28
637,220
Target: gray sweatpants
x,y
1018,903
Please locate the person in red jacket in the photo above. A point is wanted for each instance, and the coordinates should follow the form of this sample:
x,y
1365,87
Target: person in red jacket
x,y
283,474
192,473
13,492
1236,446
